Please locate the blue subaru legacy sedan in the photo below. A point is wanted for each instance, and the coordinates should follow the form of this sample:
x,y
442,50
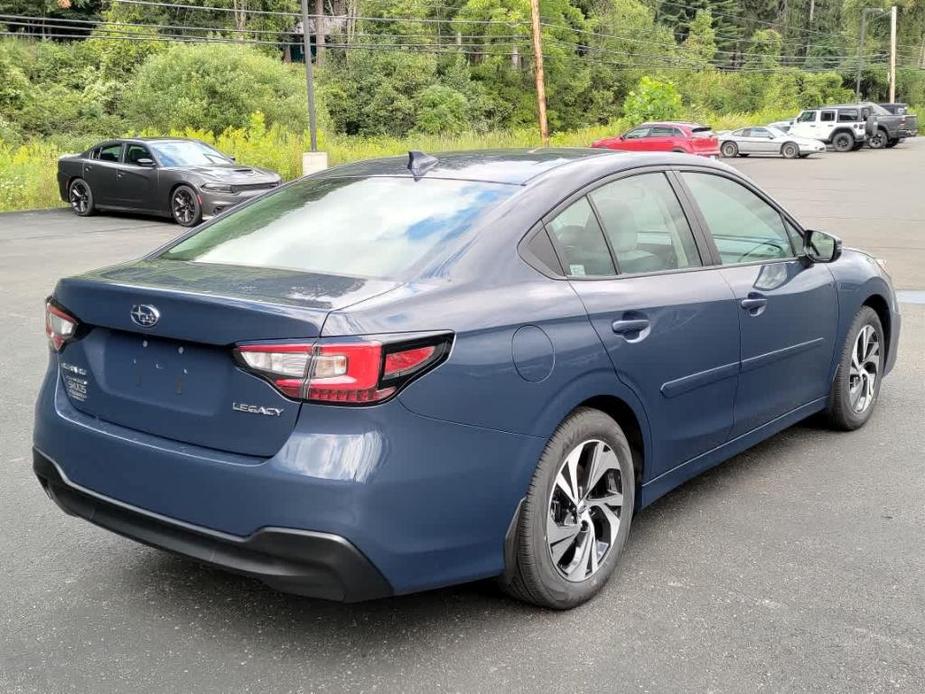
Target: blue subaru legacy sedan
x,y
409,373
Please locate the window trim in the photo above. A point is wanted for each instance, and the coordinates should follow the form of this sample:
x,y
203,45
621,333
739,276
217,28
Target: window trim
x,y
705,250
707,234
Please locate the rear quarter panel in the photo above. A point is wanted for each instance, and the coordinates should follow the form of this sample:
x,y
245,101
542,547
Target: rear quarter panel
x,y
69,167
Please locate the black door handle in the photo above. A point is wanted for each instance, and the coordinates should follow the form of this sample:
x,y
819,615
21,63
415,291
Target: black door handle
x,y
622,327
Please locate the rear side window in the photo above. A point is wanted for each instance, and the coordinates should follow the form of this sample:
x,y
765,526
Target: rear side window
x,y
828,117
364,227
581,241
645,224
744,227
108,153
847,116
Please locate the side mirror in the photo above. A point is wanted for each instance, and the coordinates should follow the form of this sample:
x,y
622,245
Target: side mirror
x,y
232,158
820,247
145,161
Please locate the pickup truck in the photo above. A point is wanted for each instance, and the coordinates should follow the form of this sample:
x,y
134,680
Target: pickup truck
x,y
892,128
900,109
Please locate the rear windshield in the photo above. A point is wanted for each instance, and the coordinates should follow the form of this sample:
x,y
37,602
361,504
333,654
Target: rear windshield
x,y
363,227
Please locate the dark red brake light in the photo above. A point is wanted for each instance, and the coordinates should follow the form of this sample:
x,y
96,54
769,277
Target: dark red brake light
x,y
60,326
351,373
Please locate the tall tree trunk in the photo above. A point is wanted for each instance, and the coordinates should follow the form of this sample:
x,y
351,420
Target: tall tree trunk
x,y
319,31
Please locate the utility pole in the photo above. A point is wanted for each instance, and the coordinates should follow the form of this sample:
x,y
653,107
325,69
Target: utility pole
x,y
538,65
309,77
893,54
864,13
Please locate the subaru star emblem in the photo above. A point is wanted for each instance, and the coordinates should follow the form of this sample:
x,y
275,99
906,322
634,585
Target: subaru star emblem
x,y
145,315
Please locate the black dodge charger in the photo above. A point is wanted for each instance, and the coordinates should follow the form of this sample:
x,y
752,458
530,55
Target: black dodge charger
x,y
184,179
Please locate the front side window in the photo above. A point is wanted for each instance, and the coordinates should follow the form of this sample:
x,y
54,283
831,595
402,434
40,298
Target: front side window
x,y
637,133
645,224
760,132
807,117
360,227
135,152
744,227
581,241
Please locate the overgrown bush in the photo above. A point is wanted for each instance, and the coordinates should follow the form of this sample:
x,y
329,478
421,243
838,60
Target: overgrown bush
x,y
214,87
652,99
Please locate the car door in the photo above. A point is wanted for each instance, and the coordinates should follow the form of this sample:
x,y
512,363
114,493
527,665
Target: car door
x,y
669,324
634,139
787,306
137,183
100,172
661,138
764,141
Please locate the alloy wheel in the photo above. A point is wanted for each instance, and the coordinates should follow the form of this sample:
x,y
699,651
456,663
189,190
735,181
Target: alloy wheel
x,y
865,367
585,507
184,206
79,197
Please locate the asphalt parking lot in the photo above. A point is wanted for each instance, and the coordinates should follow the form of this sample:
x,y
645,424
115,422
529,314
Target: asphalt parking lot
x,y
797,566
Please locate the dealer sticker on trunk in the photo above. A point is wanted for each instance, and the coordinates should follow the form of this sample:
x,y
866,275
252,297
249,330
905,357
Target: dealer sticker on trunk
x,y
74,383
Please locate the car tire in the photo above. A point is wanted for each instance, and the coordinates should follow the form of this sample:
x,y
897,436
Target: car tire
x,y
790,150
742,155
878,140
568,567
730,150
803,156
856,386
80,198
892,143
843,142
185,207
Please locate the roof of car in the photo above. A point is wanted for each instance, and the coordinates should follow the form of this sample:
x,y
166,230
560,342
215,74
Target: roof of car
x,y
573,166
512,166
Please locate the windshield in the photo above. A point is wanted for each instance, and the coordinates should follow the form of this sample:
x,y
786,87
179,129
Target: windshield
x,y
879,110
185,153
361,227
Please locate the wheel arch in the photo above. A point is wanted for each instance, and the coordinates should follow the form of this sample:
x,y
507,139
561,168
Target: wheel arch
x,y
882,308
619,411
789,142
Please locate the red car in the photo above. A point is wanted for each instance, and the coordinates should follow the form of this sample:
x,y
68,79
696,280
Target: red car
x,y
691,138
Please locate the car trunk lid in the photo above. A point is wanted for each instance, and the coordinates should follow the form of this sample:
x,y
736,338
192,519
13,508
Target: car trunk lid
x,y
176,377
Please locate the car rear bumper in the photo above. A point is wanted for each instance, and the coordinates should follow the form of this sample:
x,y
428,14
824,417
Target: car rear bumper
x,y
295,561
427,502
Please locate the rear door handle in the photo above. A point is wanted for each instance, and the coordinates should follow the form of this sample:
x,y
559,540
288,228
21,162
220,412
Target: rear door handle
x,y
622,327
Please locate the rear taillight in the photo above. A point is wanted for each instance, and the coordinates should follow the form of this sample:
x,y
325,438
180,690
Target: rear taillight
x,y
60,326
350,373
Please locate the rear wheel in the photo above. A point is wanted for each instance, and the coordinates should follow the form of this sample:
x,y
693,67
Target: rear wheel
x,y
892,143
576,515
857,380
730,149
790,150
185,207
80,198
842,142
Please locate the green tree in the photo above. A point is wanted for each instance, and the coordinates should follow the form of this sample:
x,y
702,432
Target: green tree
x,y
652,99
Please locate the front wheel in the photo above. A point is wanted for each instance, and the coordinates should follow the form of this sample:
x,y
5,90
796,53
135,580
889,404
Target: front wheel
x,y
730,149
790,150
576,515
80,198
857,380
185,207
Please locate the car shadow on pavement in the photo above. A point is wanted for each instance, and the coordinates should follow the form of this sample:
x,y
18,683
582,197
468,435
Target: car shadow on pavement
x,y
242,608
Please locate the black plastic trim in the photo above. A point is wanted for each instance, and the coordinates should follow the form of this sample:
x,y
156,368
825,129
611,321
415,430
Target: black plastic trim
x,y
318,565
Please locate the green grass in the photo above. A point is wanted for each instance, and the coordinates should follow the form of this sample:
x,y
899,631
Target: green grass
x,y
27,171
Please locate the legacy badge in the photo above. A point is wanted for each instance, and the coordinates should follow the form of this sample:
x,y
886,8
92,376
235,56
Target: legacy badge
x,y
256,409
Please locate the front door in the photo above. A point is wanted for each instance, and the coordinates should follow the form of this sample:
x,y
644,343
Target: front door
x,y
137,184
669,325
787,308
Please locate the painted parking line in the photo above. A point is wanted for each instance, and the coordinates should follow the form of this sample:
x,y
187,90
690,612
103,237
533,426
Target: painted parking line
x,y
911,296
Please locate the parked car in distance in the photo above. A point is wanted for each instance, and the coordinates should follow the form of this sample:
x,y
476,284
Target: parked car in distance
x,y
669,136
912,120
309,389
843,127
766,140
891,128
186,180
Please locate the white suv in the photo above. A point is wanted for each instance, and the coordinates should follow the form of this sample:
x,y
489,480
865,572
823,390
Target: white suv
x,y
843,127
